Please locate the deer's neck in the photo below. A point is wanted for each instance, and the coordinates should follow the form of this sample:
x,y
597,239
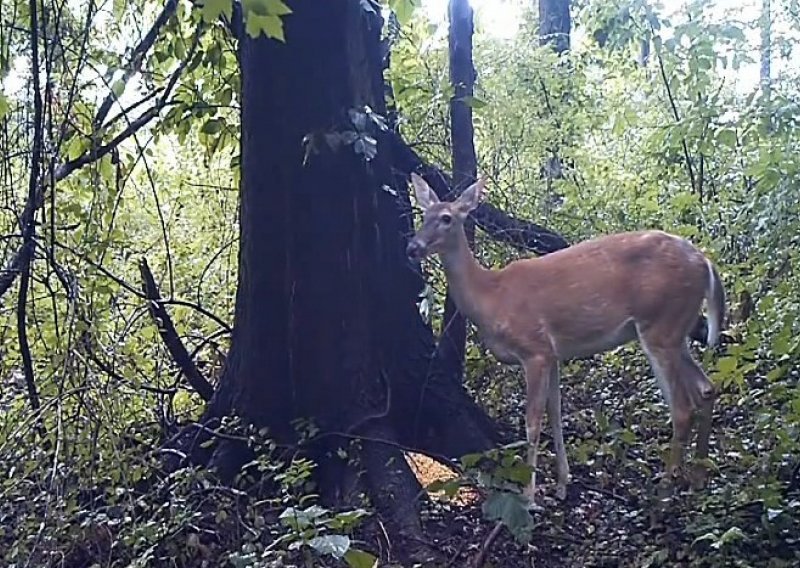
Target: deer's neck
x,y
469,282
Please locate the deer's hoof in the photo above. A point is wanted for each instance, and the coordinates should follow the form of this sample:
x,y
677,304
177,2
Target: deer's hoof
x,y
529,494
534,507
561,492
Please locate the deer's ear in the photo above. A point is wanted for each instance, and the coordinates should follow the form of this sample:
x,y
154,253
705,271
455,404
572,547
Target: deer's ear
x,y
472,196
425,195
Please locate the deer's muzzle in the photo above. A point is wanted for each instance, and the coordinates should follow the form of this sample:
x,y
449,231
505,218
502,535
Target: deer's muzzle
x,y
416,249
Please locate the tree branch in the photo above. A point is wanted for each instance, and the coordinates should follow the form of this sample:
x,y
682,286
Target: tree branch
x,y
136,59
500,226
170,335
36,198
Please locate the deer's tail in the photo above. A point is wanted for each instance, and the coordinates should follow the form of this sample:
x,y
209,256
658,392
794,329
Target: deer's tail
x,y
715,295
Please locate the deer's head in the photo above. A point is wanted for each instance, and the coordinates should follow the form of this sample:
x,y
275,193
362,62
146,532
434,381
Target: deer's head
x,y
442,221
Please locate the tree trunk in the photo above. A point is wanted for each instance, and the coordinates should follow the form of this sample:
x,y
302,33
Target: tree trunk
x,y
326,323
554,31
453,339
555,24
765,74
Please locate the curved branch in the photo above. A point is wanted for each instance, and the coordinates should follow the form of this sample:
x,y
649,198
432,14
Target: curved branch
x,y
25,255
499,225
170,335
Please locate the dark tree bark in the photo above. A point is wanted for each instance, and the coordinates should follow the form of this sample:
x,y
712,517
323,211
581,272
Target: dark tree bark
x,y
326,322
555,24
453,339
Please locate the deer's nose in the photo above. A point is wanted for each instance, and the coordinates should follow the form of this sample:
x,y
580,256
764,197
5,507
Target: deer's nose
x,y
415,249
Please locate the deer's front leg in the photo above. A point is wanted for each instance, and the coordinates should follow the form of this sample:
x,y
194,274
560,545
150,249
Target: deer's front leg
x,y
537,382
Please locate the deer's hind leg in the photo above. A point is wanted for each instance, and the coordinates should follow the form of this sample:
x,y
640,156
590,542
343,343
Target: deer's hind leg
x,y
556,427
686,389
668,366
703,394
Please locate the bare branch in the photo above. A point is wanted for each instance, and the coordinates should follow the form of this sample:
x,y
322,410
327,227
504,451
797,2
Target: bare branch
x,y
170,335
136,59
95,154
496,223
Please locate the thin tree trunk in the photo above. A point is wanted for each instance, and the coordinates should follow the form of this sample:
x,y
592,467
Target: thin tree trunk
x,y
765,74
453,339
554,31
555,24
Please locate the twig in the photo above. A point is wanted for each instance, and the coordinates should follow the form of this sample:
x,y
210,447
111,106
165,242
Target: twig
x,y
138,293
198,308
106,368
676,115
444,460
602,491
487,545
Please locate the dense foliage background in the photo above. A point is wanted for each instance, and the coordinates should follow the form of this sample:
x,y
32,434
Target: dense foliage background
x,y
671,140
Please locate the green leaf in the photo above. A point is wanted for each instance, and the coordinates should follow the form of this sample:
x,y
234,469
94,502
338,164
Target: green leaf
x,y
727,365
449,487
727,136
266,7
213,9
277,8
118,87
708,536
212,126
731,535
76,147
334,544
359,559
404,9
518,473
119,9
300,519
106,168
512,510
270,26
474,102
627,436
470,460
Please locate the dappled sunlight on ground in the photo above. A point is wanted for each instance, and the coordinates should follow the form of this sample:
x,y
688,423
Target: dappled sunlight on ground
x,y
429,470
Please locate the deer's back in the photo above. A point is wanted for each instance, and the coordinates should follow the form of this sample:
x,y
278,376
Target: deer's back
x,y
592,296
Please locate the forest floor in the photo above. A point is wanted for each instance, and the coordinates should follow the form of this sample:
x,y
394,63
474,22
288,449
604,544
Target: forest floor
x,y
617,431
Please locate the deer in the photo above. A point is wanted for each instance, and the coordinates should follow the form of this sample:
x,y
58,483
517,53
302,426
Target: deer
x,y
579,301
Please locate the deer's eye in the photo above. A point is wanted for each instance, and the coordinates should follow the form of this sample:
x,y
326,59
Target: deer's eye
x,y
446,218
